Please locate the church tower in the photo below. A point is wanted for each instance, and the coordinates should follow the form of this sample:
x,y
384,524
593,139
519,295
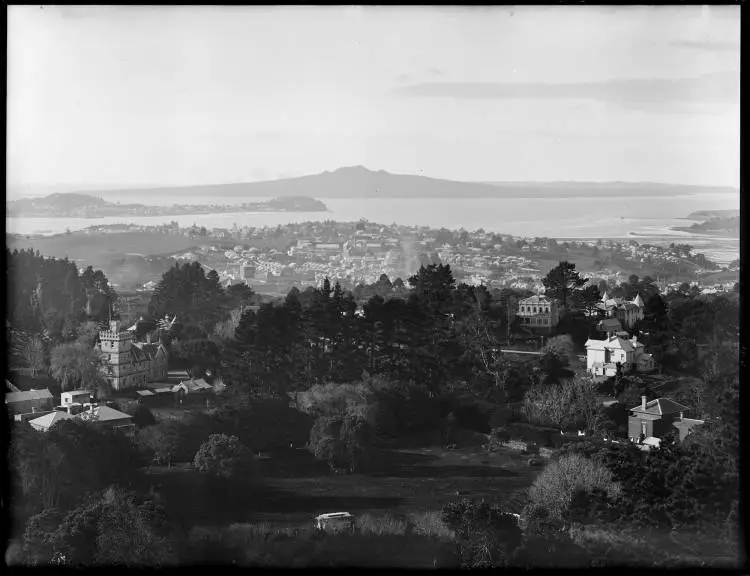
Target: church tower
x,y
116,346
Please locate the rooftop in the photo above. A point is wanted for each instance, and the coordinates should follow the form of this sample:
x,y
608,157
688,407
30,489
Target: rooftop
x,y
19,396
661,407
48,420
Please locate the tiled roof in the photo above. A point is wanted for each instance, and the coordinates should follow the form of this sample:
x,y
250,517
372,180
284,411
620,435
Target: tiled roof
x,y
618,342
28,395
103,414
596,344
9,387
149,350
137,353
194,385
661,406
45,422
537,299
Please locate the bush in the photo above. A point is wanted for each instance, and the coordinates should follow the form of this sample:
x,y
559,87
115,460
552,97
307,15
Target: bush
x,y
430,523
379,525
142,416
485,536
343,443
226,457
556,485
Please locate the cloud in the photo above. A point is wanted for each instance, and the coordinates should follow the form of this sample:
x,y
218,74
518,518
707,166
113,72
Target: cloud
x,y
720,88
711,46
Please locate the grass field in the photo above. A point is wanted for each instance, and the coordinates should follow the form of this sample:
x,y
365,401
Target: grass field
x,y
295,487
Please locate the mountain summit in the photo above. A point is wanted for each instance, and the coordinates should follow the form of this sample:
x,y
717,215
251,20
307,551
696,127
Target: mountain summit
x,y
358,182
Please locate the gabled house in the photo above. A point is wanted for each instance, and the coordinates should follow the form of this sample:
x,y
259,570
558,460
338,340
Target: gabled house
x,y
628,312
103,416
29,401
657,418
44,423
192,390
107,417
603,356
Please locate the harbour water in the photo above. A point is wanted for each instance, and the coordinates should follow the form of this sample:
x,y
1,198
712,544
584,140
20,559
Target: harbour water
x,y
645,219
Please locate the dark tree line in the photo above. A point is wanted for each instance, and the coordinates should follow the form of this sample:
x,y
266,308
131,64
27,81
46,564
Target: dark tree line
x,y
48,295
436,335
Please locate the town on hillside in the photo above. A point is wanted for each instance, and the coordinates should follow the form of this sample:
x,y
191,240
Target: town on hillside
x,y
368,287
207,379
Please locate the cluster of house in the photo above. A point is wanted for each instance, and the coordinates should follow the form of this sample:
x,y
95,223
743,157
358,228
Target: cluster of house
x,y
617,351
37,407
126,364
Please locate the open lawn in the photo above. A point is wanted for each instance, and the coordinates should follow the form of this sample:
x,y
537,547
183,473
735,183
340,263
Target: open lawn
x,y
296,487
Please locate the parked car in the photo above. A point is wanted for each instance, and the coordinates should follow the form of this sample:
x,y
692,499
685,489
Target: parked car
x,y
334,522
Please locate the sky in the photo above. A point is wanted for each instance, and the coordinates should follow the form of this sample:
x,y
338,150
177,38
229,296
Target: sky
x,y
121,96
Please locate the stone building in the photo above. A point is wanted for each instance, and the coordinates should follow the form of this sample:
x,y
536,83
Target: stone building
x,y
127,363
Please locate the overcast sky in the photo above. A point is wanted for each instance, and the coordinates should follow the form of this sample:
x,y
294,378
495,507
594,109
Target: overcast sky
x,y
128,96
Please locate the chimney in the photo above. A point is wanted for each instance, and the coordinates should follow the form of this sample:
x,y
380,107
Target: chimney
x,y
643,403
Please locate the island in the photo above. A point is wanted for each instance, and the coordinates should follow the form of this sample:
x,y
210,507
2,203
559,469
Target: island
x,y
713,222
72,205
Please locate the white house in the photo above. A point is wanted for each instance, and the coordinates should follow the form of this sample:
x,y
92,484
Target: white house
x,y
603,356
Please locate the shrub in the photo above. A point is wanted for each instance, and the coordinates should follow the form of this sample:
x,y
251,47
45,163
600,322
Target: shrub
x,y
379,525
430,523
485,536
226,457
556,485
343,443
142,416
207,546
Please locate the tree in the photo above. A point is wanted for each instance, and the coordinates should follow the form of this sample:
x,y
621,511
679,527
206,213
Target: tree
x,y
37,546
226,457
76,365
115,527
486,537
196,356
35,355
343,442
588,299
197,300
142,416
556,485
562,282
560,346
165,442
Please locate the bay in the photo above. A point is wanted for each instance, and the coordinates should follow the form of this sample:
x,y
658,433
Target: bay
x,y
642,218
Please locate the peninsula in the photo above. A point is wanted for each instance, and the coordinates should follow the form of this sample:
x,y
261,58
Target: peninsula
x,y
714,222
72,205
